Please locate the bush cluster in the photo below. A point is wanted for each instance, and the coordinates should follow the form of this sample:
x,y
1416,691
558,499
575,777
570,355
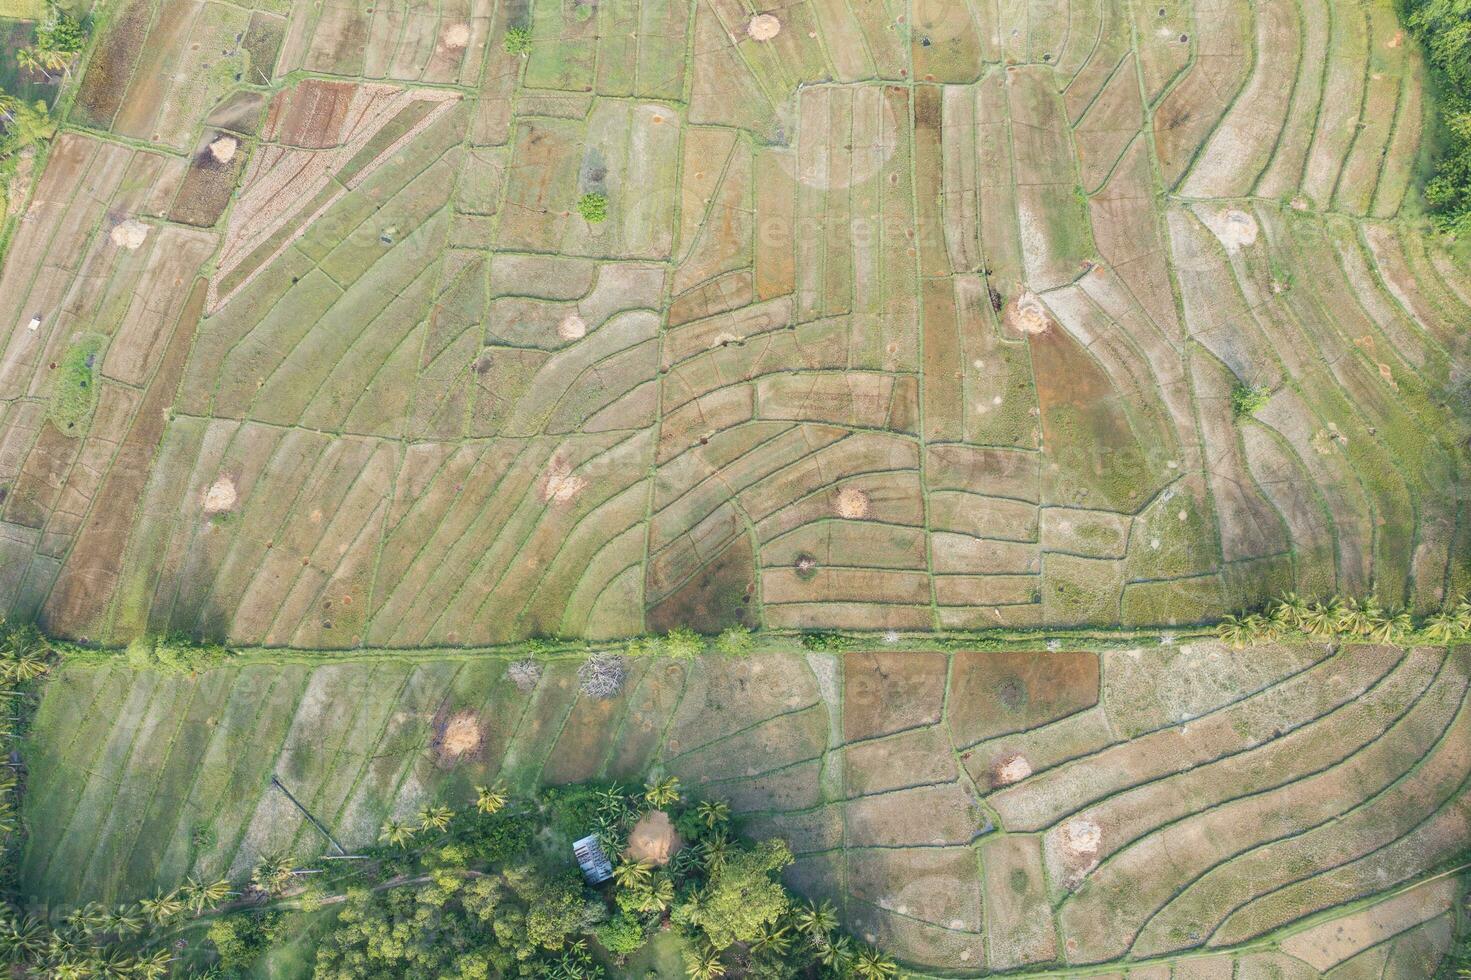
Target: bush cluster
x,y
176,653
1443,27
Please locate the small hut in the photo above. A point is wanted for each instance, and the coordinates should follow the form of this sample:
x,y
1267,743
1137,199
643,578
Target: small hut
x,y
596,867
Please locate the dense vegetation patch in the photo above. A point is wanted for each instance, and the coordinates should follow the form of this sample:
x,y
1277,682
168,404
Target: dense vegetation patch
x,y
1444,28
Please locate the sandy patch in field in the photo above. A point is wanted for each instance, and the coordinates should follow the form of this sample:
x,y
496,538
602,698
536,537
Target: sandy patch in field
x,y
1027,314
1010,768
572,327
763,27
654,839
1080,840
461,735
852,503
130,234
457,36
220,496
1235,228
223,149
559,484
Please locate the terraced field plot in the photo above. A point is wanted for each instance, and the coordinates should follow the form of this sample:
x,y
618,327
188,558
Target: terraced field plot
x,y
903,317
975,811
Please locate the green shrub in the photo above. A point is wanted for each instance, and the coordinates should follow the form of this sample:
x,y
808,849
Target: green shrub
x,y
60,32
825,642
1247,400
735,641
620,935
683,643
518,40
593,207
1444,28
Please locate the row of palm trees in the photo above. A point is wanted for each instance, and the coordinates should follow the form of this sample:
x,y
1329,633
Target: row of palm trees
x,y
1343,618
812,923
97,942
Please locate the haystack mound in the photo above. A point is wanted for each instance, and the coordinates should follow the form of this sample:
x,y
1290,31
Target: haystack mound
x,y
1026,314
223,149
461,735
572,327
129,234
221,496
852,503
763,27
456,37
654,839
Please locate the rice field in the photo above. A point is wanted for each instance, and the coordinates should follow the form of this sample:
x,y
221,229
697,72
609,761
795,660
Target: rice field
x,y
901,319
894,322
969,812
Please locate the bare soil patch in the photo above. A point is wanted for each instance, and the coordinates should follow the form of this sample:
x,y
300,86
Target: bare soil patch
x,y
457,736
763,27
1027,314
130,234
852,503
654,839
220,496
558,483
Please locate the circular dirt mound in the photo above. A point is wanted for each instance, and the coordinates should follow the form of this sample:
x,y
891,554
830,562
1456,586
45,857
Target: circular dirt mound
x,y
763,27
221,496
852,503
1027,315
572,327
129,234
457,37
654,839
223,149
461,736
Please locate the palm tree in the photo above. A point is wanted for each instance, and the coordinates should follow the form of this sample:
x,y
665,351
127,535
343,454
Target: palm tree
x,y
8,105
836,954
874,965
152,966
55,60
815,921
612,803
1387,627
1263,629
273,874
662,792
772,938
1319,621
490,799
162,908
124,920
713,812
633,874
1462,613
703,964
714,849
397,833
1290,611
89,918
21,938
201,896
1442,627
1350,617
1234,630
29,60
435,817
25,667
659,896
